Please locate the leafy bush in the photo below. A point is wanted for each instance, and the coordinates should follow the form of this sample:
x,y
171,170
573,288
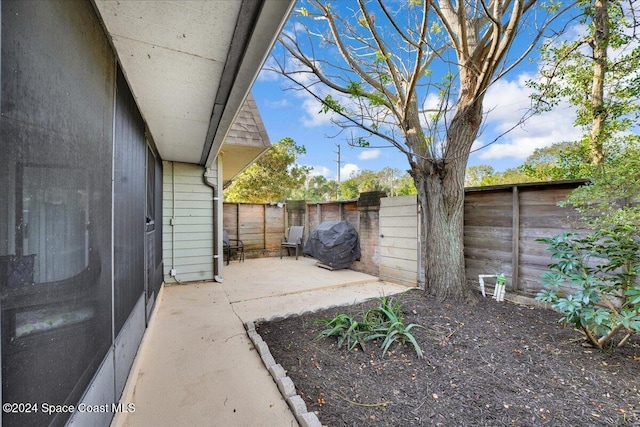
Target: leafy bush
x,y
601,272
384,322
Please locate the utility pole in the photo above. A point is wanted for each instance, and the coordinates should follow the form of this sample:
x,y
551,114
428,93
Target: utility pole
x,y
338,161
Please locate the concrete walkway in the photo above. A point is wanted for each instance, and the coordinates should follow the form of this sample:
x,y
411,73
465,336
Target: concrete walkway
x,y
197,367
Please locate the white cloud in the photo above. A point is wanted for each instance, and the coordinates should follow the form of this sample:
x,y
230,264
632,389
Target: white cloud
x,y
311,115
321,171
293,31
369,154
477,145
537,132
348,170
309,107
432,102
267,73
284,102
507,101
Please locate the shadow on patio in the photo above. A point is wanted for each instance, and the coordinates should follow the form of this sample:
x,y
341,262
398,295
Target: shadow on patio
x,y
196,365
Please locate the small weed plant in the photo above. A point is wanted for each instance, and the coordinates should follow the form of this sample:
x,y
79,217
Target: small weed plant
x,y
594,283
383,323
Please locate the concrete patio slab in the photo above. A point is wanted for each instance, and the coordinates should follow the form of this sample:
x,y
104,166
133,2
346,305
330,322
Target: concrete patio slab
x,y
196,365
273,287
263,277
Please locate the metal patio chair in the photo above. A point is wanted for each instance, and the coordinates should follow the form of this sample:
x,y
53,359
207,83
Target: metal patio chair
x,y
293,241
229,245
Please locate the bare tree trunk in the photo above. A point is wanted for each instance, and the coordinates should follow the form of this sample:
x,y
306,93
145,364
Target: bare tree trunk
x,y
440,185
443,222
600,43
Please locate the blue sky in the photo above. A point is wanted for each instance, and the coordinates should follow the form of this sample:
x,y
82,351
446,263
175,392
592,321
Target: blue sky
x,y
288,113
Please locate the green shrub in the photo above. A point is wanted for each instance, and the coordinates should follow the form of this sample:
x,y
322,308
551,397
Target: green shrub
x,y
601,272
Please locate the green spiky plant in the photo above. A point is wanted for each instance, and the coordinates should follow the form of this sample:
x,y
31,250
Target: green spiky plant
x,y
346,328
384,322
391,328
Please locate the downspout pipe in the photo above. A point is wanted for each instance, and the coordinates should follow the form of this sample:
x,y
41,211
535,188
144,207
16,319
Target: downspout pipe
x,y
211,179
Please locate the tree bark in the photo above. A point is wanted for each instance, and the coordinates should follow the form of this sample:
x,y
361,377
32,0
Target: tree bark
x,y
440,185
443,222
600,44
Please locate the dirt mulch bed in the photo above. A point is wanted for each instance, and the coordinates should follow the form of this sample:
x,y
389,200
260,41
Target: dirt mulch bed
x,y
490,364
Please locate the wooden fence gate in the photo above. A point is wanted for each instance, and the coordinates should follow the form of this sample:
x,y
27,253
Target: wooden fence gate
x,y
399,241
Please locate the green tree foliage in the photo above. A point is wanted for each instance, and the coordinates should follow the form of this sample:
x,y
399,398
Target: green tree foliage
x,y
391,181
597,73
405,186
508,176
272,178
484,175
563,160
350,189
317,188
476,174
612,198
320,189
364,180
594,279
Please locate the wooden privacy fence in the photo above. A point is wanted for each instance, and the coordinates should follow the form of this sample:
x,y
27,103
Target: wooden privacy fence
x,y
501,226
259,226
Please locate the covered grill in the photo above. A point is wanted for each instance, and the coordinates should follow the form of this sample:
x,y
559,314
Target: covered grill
x,y
334,244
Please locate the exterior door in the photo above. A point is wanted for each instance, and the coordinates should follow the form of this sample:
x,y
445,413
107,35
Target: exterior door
x,y
151,231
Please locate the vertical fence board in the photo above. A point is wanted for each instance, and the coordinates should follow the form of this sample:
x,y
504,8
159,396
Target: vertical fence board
x,y
515,243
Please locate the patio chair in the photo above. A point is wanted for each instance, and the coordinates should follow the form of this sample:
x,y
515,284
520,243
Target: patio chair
x,y
229,245
293,241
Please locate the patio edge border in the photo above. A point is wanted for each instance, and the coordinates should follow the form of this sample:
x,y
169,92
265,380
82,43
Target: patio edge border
x,y
284,383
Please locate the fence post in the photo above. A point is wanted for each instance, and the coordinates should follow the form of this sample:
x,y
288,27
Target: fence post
x,y
515,245
238,221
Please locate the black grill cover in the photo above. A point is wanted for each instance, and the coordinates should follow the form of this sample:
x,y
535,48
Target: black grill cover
x,y
334,243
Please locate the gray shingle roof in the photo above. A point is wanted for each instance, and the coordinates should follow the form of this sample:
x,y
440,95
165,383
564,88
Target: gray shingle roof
x,y
248,128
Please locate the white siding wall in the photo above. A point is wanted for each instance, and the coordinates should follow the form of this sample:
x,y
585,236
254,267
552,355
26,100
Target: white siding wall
x,y
187,216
